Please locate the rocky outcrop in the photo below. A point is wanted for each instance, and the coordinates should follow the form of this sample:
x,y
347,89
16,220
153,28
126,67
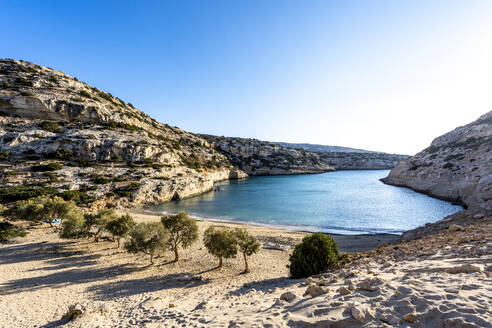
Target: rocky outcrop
x,y
105,150
457,166
257,157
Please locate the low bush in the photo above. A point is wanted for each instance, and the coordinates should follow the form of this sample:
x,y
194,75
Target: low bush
x,y
315,253
9,231
24,192
78,196
46,167
51,126
220,243
128,190
64,153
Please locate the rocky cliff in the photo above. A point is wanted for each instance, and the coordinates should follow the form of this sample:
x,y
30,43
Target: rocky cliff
x,y
257,157
457,166
61,136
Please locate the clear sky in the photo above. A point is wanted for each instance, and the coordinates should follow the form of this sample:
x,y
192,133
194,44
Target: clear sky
x,y
379,75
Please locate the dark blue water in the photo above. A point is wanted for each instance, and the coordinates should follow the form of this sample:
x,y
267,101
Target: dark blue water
x,y
346,202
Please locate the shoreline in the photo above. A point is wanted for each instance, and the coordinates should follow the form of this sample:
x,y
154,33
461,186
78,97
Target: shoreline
x,y
346,243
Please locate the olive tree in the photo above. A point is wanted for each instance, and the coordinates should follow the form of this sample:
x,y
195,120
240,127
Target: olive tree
x,y
182,229
43,209
220,243
95,223
73,227
148,238
120,227
248,245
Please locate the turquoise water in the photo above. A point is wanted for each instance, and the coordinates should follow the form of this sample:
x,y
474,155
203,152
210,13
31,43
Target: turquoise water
x,y
346,202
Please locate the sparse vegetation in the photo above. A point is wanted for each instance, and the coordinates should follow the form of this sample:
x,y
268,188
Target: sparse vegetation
x,y
182,229
46,167
24,192
51,126
148,238
9,231
128,190
220,243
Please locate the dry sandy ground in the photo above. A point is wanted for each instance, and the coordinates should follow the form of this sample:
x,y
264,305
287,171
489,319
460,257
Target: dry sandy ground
x,y
42,275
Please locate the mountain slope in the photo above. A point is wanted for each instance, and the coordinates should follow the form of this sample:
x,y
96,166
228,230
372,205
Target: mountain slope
x,y
457,166
60,136
257,157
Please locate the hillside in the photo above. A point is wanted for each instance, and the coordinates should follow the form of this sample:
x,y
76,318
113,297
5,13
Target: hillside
x,y
257,157
457,166
62,136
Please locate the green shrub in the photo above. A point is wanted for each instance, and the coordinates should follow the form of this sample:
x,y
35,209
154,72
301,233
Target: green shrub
x,y
9,173
51,176
46,167
95,223
51,126
120,227
9,231
248,245
99,179
78,196
73,227
4,155
23,81
85,94
315,253
53,79
128,190
5,85
220,243
64,153
149,238
182,229
24,192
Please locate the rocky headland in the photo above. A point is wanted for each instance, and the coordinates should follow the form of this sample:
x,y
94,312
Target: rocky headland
x,y
457,166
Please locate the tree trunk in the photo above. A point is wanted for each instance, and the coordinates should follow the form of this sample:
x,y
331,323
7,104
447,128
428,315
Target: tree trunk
x,y
246,269
176,255
220,261
151,258
118,242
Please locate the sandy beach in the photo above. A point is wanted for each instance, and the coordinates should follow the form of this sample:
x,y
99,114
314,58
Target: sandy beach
x,y
41,276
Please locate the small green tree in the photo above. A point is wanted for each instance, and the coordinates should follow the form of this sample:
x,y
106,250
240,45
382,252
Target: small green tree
x,y
56,208
248,245
148,238
182,229
95,223
120,227
43,209
315,253
220,243
73,227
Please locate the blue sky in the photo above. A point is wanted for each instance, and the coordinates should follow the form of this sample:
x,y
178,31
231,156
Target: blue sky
x,y
379,75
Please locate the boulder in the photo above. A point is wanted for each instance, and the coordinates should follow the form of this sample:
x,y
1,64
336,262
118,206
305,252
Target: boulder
x,y
344,290
288,297
315,291
465,268
410,317
455,227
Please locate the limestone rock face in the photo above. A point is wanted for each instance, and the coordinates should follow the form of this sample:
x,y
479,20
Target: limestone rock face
x,y
109,150
457,166
257,157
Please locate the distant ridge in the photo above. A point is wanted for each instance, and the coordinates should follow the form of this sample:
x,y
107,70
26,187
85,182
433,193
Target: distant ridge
x,y
323,148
